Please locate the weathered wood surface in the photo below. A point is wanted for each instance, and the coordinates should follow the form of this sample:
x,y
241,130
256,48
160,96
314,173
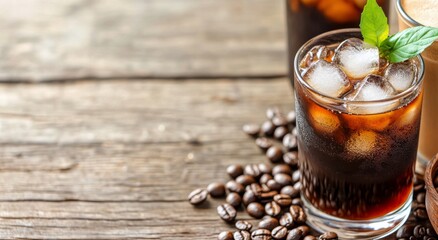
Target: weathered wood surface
x,y
69,39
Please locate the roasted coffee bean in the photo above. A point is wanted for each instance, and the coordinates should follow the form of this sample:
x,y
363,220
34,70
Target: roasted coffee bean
x,y
305,229
225,235
295,131
249,197
235,170
268,128
264,143
265,168
256,189
280,132
197,196
296,175
245,180
295,234
252,170
216,190
272,209
420,212
297,201
290,191
287,220
419,231
310,237
226,212
265,178
274,154
291,158
242,235
431,232
290,142
419,187
268,223
279,121
273,185
281,168
291,117
421,197
265,188
298,186
283,200
298,214
233,186
283,179
261,234
272,112
234,199
251,129
255,210
405,231
279,233
243,225
328,236
266,197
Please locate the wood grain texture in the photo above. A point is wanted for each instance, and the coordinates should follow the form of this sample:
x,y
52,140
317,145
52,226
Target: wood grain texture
x,y
52,40
116,159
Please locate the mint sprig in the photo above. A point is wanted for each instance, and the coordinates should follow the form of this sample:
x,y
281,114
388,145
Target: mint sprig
x,y
398,47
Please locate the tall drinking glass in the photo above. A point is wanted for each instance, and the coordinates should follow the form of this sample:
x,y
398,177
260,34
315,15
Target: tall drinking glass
x,y
418,13
356,157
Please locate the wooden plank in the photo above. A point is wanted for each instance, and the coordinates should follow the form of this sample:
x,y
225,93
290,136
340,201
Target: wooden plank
x,y
70,39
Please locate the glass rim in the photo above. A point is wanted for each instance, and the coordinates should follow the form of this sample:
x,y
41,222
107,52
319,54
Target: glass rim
x,y
404,14
302,82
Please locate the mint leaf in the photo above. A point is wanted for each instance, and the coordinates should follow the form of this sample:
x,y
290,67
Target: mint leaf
x,y
374,24
408,43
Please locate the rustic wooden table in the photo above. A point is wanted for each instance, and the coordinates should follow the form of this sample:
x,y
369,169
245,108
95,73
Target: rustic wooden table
x,y
111,112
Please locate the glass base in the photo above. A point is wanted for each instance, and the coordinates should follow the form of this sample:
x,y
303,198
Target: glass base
x,y
421,163
357,229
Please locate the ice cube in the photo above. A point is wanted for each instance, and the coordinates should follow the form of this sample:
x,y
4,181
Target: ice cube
x,y
314,54
362,142
412,113
357,58
323,120
372,88
401,75
327,79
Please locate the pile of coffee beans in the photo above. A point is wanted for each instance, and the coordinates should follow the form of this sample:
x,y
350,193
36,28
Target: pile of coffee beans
x,y
270,191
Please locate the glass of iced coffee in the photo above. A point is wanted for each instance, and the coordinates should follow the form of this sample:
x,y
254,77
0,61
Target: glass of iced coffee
x,y
358,119
417,13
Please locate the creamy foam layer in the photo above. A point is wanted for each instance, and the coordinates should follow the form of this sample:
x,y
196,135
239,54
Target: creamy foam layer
x,y
422,11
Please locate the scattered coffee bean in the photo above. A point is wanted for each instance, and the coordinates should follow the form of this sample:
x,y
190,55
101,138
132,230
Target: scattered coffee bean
x,y
290,142
283,179
268,223
233,186
266,197
198,196
328,236
252,170
419,231
255,210
272,209
261,234
283,200
279,121
216,190
310,237
297,201
227,212
287,220
295,131
273,185
305,229
264,143
225,235
290,191
291,158
265,168
251,129
265,178
280,132
249,197
242,235
281,168
235,170
421,197
279,233
420,212
274,154
419,187
245,180
405,231
272,112
256,189
268,128
298,186
234,199
243,225
295,234
291,117
296,175
298,214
